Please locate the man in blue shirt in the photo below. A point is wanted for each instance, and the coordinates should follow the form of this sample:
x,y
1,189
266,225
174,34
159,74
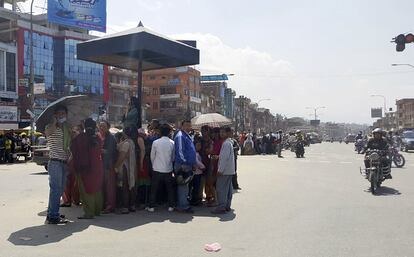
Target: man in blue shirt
x,y
185,160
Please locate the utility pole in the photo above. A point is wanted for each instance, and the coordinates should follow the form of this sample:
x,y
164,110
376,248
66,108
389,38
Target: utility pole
x,y
31,79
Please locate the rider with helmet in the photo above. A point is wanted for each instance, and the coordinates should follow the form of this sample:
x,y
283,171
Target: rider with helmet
x,y
377,142
359,136
299,135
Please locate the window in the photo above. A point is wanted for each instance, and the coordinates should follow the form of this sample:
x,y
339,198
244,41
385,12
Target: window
x,y
168,104
2,71
152,77
155,91
155,105
167,90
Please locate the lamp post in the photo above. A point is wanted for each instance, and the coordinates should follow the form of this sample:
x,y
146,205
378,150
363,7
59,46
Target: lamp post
x,y
315,109
31,78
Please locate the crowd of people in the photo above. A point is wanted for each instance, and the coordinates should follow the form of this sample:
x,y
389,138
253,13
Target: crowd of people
x,y
11,143
138,169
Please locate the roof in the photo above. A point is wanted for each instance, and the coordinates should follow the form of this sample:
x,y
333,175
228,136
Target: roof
x,y
123,50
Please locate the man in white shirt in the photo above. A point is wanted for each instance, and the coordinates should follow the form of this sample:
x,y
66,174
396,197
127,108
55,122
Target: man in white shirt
x,y
162,158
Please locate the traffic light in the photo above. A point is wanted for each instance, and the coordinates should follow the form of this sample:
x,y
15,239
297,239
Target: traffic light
x,y
401,40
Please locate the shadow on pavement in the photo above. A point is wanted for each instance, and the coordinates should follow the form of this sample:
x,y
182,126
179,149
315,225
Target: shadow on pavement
x,y
46,234
40,173
385,191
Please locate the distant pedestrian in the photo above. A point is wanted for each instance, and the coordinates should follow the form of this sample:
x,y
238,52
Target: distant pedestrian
x,y
185,160
226,170
236,148
162,158
87,149
195,184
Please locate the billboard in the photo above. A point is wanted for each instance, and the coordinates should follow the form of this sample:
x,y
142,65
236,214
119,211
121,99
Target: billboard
x,y
84,14
315,122
376,112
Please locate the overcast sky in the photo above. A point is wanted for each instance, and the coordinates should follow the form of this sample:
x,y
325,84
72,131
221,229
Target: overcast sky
x,y
298,53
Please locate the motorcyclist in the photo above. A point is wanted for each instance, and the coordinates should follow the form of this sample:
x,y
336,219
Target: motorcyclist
x,y
359,136
299,135
377,142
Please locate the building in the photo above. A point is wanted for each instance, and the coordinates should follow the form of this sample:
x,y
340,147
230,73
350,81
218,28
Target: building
x,y
172,94
57,72
121,86
405,113
217,90
229,95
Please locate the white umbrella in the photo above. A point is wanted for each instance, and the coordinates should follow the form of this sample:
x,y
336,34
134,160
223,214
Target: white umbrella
x,y
211,119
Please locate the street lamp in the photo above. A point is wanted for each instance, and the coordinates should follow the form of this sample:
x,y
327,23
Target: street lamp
x,y
402,64
315,109
31,78
261,100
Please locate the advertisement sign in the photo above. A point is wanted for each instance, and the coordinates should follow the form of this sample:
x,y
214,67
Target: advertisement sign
x,y
169,96
195,100
315,122
84,14
39,88
8,114
376,112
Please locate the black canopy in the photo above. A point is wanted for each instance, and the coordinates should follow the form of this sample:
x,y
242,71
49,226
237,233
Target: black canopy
x,y
124,49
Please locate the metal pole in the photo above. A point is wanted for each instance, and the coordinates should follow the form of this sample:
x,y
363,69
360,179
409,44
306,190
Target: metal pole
x,y
139,93
31,79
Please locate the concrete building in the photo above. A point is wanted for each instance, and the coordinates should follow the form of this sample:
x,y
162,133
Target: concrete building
x,y
405,113
57,72
122,85
172,94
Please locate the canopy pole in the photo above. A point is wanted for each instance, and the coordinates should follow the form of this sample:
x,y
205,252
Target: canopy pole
x,y
139,93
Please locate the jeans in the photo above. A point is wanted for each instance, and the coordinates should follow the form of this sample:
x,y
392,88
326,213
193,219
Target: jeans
x,y
57,181
182,190
224,189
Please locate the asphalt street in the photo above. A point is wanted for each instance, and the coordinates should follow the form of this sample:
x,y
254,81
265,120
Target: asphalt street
x,y
316,206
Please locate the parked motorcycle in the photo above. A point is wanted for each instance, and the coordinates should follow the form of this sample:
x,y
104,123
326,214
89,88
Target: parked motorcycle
x,y
379,168
359,146
300,149
396,157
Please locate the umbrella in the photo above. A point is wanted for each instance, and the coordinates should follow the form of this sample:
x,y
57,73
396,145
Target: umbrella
x,y
211,119
79,108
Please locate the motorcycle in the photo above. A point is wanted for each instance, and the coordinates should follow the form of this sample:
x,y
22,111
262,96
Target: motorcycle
x,y
396,157
379,168
359,146
300,149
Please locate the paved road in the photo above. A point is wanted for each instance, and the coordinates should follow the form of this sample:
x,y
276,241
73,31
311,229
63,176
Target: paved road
x,y
317,206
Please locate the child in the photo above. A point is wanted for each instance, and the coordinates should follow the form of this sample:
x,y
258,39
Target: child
x,y
198,173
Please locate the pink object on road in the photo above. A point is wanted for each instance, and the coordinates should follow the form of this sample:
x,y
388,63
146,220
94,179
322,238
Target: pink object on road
x,y
214,247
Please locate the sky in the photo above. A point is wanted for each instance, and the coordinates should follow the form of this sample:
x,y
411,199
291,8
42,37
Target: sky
x,y
299,54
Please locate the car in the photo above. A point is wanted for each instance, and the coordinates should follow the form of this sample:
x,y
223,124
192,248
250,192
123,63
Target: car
x,y
351,138
407,138
41,155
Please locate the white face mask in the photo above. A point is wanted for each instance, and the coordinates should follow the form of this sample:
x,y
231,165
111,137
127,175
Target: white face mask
x,y
61,120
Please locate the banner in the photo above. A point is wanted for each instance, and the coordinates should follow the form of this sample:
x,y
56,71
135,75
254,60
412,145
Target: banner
x,y
8,113
376,112
84,14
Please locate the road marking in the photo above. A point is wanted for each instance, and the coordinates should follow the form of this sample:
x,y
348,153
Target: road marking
x,y
345,162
